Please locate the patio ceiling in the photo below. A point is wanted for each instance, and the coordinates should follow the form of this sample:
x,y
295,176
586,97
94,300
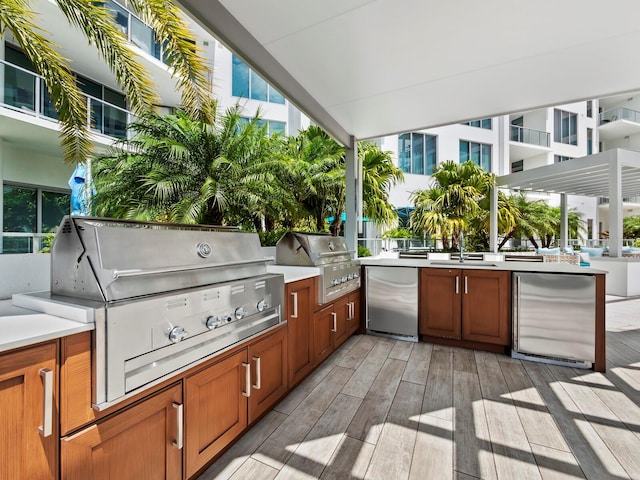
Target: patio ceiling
x,y
589,176
367,68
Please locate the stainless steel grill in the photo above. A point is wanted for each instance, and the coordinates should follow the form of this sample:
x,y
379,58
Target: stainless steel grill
x,y
340,272
163,297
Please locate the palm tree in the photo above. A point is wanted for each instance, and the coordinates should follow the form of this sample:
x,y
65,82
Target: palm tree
x,y
182,170
379,174
447,207
96,23
508,216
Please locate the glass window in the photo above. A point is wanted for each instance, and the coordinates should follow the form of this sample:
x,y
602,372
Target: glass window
x,y
246,83
120,16
565,127
142,36
22,207
561,158
482,123
478,153
275,96
239,78
589,141
258,87
590,111
517,166
277,127
404,152
417,153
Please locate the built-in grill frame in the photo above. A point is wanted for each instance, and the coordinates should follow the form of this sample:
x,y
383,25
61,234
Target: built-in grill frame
x,y
339,269
163,297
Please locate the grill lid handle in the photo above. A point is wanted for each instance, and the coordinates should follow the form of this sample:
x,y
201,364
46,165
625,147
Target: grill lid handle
x,y
333,254
158,271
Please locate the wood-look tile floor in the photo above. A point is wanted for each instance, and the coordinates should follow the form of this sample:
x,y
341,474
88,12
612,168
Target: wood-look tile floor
x,y
384,409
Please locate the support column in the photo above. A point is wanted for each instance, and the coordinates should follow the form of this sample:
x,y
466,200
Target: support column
x,y
353,193
493,219
615,206
564,221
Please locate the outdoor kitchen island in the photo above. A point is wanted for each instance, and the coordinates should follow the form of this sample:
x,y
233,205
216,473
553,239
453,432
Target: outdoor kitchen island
x,y
471,304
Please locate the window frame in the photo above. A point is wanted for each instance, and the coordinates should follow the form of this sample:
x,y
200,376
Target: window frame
x,y
429,162
481,148
271,91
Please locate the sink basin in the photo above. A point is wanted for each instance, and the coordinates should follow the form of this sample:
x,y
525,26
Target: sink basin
x,y
450,263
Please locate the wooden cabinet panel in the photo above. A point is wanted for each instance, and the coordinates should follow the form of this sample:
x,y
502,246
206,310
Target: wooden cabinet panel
x,y
466,304
323,321
299,315
215,409
341,309
439,303
353,320
268,359
138,442
24,451
485,306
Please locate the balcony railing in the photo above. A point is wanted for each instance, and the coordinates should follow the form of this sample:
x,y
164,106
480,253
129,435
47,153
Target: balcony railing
x,y
25,91
529,135
620,113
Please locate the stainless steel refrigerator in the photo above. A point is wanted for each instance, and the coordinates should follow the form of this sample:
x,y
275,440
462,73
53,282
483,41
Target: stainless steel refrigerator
x,y
392,302
554,318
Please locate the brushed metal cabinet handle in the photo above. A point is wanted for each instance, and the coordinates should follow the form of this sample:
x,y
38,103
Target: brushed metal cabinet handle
x,y
180,423
47,402
457,284
335,322
247,380
258,374
465,285
295,305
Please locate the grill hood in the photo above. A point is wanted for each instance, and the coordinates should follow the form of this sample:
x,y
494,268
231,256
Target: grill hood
x,y
109,260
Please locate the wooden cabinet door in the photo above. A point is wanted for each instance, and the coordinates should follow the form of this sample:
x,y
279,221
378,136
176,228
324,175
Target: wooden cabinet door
x,y
323,321
268,359
339,329
486,303
25,452
353,320
215,409
141,441
299,315
439,303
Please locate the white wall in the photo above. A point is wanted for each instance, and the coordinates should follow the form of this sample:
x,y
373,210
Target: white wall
x,y
22,165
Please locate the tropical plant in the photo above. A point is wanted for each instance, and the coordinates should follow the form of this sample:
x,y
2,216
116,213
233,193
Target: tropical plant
x,y
398,233
447,208
480,224
183,170
96,23
631,226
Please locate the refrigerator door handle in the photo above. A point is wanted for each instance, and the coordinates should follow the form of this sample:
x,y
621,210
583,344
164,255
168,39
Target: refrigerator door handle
x,y
516,311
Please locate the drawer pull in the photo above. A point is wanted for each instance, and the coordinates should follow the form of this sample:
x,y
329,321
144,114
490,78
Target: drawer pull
x,y
258,374
47,402
335,322
247,380
457,284
180,424
295,305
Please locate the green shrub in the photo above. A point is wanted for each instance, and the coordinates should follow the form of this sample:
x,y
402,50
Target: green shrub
x,y
398,233
269,239
363,251
637,242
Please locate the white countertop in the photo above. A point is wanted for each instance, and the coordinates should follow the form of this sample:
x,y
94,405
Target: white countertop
x,y
542,267
293,274
22,327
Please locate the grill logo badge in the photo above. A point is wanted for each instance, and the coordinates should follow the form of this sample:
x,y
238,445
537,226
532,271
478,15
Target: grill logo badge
x,y
204,249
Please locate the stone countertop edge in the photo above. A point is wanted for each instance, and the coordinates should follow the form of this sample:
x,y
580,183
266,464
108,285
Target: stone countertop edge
x,y
541,267
293,273
22,327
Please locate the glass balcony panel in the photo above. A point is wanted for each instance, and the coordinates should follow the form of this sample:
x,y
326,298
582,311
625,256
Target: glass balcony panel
x,y
46,104
120,16
115,122
19,88
142,36
529,135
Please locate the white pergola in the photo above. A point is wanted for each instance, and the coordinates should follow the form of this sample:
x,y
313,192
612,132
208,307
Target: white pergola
x,y
367,68
614,174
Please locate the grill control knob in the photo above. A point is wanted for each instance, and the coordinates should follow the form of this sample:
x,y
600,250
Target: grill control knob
x,y
240,313
177,334
262,306
213,322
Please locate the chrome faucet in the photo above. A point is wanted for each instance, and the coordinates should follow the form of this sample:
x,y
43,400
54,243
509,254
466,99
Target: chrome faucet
x,y
461,242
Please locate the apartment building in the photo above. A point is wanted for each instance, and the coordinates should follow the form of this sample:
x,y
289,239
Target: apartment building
x,y
516,142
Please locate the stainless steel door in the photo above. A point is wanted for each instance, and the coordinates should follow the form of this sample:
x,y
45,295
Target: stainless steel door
x,y
554,315
392,300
